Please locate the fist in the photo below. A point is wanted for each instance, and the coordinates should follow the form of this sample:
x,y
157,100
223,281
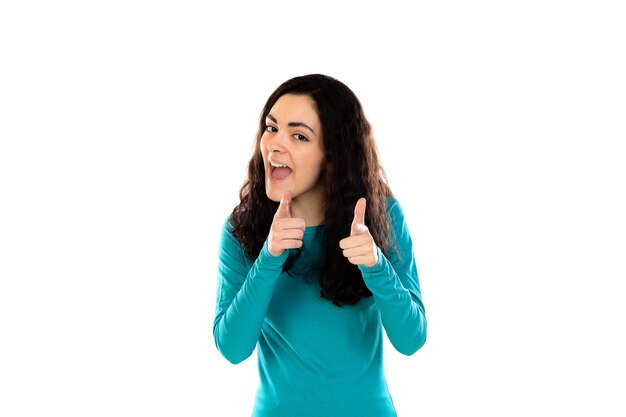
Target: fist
x,y
286,232
360,248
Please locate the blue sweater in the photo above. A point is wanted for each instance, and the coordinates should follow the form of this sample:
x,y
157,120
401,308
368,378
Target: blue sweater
x,y
316,359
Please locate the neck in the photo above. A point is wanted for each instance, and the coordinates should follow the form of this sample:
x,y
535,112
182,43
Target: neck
x,y
311,211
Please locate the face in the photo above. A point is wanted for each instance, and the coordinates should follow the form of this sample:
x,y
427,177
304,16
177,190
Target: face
x,y
291,147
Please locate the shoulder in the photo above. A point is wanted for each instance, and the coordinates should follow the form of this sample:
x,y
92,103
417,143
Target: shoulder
x,y
231,222
228,225
394,210
227,232
398,226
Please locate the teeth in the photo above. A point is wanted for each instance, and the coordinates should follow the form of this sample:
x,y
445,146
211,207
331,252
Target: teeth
x,y
278,165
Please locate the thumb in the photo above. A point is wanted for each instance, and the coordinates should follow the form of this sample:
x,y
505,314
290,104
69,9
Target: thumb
x,y
358,224
284,209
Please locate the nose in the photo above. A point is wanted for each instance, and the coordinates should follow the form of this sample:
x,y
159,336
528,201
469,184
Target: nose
x,y
276,142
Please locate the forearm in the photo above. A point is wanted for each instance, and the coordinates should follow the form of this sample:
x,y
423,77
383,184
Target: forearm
x,y
239,320
402,312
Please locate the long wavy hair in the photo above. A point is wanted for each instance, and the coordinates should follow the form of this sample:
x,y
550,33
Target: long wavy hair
x,y
351,169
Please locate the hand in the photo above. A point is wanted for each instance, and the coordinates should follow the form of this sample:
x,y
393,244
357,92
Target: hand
x,y
286,232
360,248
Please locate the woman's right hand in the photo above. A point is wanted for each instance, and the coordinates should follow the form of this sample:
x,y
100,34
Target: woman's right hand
x,y
286,232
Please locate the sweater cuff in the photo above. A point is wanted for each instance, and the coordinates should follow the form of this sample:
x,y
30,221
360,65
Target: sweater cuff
x,y
268,259
377,267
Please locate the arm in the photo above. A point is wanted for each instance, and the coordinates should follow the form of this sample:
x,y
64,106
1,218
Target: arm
x,y
243,297
395,287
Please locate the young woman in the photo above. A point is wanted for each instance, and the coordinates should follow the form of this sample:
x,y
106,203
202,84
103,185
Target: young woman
x,y
316,260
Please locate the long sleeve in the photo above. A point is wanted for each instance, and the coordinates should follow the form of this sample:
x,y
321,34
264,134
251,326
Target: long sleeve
x,y
395,287
243,296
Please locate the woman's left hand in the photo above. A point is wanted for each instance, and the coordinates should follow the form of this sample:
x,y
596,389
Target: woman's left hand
x,y
360,248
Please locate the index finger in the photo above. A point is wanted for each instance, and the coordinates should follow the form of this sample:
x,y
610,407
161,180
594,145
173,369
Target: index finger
x,y
359,211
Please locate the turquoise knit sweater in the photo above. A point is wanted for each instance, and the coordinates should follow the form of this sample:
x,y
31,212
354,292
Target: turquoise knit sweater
x,y
316,359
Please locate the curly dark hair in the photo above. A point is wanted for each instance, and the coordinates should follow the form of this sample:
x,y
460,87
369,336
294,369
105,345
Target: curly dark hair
x,y
351,169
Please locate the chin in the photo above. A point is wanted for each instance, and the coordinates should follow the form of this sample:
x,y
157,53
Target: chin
x,y
274,194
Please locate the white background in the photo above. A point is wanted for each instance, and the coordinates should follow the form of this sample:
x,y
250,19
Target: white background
x,y
126,127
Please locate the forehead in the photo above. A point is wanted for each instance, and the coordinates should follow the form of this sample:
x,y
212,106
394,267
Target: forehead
x,y
295,108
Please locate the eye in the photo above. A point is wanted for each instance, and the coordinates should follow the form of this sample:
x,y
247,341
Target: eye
x,y
269,128
300,137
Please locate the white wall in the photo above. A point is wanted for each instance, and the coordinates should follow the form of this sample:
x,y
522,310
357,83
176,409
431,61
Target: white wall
x,y
125,130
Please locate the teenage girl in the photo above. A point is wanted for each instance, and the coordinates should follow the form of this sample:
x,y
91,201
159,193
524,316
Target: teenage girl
x,y
316,260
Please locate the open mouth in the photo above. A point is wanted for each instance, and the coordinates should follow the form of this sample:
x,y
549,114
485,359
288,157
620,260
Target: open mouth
x,y
279,172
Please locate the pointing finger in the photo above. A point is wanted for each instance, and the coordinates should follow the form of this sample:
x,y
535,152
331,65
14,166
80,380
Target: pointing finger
x,y
359,217
284,209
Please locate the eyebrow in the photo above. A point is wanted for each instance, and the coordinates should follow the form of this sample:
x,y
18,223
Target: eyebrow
x,y
291,124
